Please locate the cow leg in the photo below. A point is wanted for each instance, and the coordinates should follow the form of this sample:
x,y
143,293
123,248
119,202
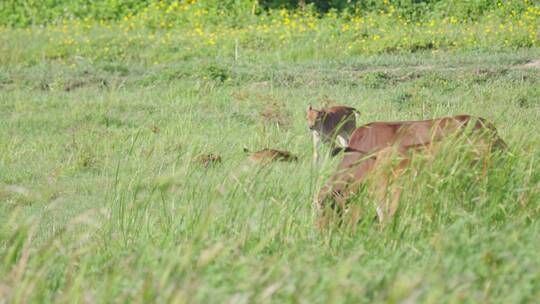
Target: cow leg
x,y
388,203
380,214
397,191
379,194
387,207
316,145
343,140
394,202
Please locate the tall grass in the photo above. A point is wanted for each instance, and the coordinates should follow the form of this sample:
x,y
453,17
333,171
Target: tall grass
x,y
102,201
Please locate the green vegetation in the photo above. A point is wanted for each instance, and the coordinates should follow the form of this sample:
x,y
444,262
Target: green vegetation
x,y
27,12
101,122
170,32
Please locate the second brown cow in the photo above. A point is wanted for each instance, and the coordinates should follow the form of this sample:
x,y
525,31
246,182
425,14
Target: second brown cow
x,y
380,151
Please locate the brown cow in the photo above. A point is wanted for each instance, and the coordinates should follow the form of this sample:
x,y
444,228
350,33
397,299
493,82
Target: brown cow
x,y
381,151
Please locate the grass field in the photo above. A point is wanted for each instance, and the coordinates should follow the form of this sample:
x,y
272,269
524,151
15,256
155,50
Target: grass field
x,y
101,201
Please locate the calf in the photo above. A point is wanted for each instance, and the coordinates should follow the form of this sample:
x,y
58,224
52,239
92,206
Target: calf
x,y
330,125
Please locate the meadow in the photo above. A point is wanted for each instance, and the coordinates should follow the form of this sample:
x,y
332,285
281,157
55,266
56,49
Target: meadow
x,y
101,122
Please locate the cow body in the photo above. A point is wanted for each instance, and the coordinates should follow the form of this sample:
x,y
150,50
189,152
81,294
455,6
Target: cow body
x,y
404,134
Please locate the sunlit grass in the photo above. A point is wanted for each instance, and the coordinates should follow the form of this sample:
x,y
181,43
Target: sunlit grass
x,y
184,31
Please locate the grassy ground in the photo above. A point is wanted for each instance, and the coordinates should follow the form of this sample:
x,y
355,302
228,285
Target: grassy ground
x,y
100,199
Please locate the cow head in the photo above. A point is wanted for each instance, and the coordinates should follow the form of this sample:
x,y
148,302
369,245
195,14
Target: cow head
x,y
314,117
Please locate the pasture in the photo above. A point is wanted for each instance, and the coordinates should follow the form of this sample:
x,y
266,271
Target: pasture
x,y
102,197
